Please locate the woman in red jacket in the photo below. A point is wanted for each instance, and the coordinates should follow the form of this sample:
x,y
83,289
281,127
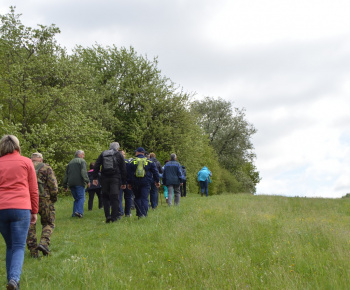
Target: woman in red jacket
x,y
18,204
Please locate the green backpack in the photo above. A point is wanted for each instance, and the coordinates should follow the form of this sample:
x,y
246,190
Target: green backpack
x,y
40,183
140,169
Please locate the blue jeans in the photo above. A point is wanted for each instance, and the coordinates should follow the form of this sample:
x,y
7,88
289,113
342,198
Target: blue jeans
x,y
78,193
14,225
204,187
154,195
141,193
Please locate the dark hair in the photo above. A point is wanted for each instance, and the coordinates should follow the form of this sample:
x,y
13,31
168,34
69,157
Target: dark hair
x,y
92,165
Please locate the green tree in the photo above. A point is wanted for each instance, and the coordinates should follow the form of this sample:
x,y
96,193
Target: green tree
x,y
230,135
47,99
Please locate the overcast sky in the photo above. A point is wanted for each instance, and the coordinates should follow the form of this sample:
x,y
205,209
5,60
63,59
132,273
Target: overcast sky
x,y
286,61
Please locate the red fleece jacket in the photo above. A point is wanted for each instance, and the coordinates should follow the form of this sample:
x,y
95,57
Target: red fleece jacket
x,y
18,183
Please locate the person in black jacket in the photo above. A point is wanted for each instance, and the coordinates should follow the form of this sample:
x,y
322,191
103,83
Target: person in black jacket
x,y
94,189
113,178
140,185
154,190
127,193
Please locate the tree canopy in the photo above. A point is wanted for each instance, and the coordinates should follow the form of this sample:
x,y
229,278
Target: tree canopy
x,y
58,103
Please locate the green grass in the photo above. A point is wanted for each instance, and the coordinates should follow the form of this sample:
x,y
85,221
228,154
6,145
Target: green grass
x,y
220,242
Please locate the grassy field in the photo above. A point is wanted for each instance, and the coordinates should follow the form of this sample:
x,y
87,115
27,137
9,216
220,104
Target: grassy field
x,y
219,242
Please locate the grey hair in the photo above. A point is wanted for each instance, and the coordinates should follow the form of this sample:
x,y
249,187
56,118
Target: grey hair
x,y
172,156
78,153
114,146
36,155
8,144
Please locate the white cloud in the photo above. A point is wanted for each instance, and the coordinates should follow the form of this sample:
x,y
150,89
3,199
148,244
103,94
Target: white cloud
x,y
286,61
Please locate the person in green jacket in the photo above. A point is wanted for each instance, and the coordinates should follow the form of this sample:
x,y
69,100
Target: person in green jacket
x,y
76,178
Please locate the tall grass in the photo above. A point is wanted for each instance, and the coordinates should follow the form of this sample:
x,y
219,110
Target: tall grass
x,y
219,242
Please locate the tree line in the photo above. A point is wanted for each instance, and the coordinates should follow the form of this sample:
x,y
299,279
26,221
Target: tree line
x,y
57,103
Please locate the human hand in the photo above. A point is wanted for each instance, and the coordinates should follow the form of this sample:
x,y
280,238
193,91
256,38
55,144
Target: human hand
x,y
33,218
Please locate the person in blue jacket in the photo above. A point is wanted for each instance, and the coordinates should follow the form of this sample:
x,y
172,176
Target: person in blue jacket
x,y
141,185
173,179
203,177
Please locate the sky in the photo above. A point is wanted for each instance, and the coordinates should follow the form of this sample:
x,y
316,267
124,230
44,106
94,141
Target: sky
x,y
287,62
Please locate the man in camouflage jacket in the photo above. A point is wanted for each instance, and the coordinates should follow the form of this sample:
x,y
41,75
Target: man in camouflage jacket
x,y
47,197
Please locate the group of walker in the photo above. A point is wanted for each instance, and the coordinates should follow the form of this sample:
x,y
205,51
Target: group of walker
x,y
28,187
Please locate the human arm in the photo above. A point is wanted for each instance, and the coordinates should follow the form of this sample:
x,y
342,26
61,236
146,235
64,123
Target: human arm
x,y
155,173
52,184
33,218
33,187
122,168
83,172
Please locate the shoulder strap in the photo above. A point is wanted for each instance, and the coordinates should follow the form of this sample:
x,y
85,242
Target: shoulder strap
x,y
39,166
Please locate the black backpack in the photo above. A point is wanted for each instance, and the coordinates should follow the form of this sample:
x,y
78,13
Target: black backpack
x,y
109,162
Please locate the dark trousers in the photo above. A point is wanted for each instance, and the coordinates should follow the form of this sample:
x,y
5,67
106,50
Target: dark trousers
x,y
141,193
154,195
183,189
128,194
92,193
204,187
110,195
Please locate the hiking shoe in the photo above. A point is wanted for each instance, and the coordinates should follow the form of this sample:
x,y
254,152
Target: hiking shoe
x,y
12,285
44,249
108,220
79,215
128,215
116,219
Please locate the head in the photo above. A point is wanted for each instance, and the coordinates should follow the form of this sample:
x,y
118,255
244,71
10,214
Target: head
x,y
139,151
147,154
80,154
114,146
152,155
92,164
9,144
37,157
122,152
172,156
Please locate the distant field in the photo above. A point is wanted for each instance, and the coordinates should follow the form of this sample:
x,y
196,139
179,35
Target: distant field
x,y
219,242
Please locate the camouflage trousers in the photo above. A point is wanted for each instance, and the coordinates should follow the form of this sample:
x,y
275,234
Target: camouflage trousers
x,y
47,216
